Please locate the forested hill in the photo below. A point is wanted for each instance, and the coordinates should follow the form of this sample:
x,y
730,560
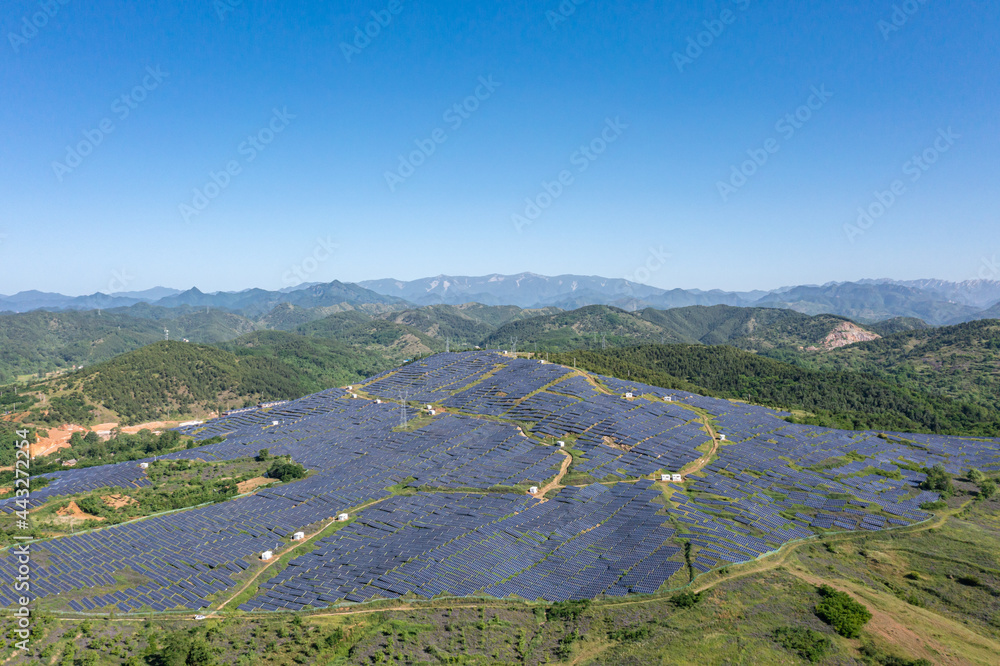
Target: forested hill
x,y
756,329
839,399
960,362
178,380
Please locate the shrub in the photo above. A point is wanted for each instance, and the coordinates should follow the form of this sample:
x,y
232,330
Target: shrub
x,y
975,475
969,581
630,635
842,612
987,489
685,599
568,611
810,645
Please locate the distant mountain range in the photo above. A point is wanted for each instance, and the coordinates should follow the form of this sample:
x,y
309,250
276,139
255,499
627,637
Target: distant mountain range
x,y
936,302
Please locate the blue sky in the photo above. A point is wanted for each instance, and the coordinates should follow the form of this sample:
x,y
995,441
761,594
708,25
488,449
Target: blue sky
x,y
644,125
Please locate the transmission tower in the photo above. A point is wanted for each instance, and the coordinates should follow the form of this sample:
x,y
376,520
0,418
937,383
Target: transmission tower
x,y
447,345
402,408
166,334
513,345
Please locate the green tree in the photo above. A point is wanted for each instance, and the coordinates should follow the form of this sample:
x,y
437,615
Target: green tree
x,y
938,480
975,475
987,489
842,612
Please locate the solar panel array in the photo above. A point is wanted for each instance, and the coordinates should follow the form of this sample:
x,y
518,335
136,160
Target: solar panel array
x,y
771,482
586,542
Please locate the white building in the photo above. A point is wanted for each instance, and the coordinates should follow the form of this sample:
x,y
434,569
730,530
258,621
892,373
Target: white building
x,y
144,465
266,555
343,518
275,422
533,490
722,437
664,477
561,444
298,536
669,398
628,395
677,478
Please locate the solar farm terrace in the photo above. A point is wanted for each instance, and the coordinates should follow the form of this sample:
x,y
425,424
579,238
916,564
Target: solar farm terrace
x,y
441,507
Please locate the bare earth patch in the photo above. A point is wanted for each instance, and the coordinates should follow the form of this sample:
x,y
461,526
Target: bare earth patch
x,y
72,511
252,484
118,501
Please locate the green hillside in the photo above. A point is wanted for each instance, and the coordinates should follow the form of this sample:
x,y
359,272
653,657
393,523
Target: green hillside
x,y
579,329
960,362
594,327
173,379
840,399
357,328
318,363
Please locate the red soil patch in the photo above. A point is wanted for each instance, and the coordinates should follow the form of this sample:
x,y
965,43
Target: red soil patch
x,y
74,511
252,484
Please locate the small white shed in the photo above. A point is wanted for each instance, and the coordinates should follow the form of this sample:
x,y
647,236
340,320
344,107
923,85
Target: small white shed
x,y
533,490
343,518
298,536
144,465
267,555
677,478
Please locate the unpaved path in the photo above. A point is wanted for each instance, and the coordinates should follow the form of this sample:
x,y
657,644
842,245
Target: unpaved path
x,y
555,483
699,464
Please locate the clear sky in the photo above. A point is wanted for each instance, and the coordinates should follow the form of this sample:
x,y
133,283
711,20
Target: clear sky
x,y
224,144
